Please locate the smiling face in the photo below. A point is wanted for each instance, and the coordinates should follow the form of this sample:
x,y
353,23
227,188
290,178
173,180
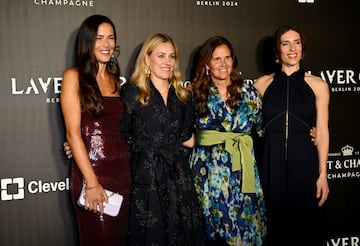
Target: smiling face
x,y
290,49
161,61
105,43
221,64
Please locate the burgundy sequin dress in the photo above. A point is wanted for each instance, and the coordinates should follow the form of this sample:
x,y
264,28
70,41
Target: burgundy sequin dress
x,y
108,153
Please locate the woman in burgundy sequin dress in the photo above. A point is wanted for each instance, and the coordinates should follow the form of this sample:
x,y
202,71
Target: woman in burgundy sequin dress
x,y
92,112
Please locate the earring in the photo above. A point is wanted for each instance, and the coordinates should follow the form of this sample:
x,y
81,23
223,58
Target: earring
x,y
277,60
207,71
112,59
147,71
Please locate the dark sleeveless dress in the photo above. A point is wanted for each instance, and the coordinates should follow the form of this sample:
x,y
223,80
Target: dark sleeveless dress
x,y
290,162
108,153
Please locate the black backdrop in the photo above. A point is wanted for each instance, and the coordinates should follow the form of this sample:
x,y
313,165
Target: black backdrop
x,y
37,44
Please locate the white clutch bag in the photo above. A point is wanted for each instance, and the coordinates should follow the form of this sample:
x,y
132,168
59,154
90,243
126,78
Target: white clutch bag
x,y
111,207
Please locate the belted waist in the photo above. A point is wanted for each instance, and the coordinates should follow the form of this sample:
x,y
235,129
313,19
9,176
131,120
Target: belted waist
x,y
239,146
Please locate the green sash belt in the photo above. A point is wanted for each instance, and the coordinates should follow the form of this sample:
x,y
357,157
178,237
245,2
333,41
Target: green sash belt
x,y
240,146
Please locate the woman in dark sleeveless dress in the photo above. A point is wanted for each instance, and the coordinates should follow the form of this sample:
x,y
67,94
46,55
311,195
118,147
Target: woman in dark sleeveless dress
x,y
294,170
92,112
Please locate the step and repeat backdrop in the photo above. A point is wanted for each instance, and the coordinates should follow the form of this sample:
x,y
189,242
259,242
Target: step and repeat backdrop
x,y
37,43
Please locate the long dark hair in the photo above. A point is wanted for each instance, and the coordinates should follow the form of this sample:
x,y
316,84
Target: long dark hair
x,y
90,95
202,81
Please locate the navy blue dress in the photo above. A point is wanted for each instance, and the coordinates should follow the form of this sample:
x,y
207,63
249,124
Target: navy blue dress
x,y
164,208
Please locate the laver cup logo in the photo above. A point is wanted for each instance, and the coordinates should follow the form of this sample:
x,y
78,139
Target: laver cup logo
x,y
14,188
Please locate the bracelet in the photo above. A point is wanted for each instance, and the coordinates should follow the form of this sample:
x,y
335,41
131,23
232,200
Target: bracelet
x,y
92,187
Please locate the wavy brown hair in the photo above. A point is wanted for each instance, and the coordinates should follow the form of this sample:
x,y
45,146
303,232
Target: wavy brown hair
x,y
139,77
201,82
90,95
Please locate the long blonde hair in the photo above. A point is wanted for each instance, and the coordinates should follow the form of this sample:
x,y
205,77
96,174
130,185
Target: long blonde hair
x,y
140,79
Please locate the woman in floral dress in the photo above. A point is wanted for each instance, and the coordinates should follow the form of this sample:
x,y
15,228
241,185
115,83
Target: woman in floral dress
x,y
226,177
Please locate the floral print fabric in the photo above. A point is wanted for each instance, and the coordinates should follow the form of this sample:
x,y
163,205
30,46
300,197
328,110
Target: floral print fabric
x,y
236,217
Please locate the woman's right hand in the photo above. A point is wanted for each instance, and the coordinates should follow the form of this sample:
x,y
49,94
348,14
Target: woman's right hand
x,y
95,196
67,150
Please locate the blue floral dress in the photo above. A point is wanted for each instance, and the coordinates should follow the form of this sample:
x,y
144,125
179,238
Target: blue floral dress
x,y
236,217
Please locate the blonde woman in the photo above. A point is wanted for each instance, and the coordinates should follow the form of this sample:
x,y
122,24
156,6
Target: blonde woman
x,y
158,123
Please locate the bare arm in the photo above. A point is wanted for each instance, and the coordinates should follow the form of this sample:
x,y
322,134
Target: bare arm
x,y
322,94
70,105
263,82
